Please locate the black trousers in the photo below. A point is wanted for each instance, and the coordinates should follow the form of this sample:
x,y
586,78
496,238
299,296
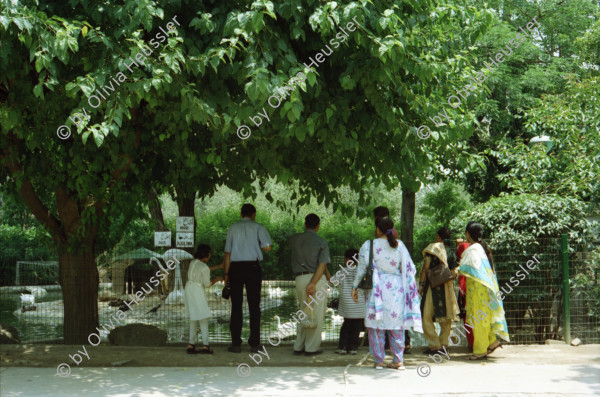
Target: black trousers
x,y
349,333
246,273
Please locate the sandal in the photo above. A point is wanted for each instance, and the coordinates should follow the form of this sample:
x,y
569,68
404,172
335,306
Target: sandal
x,y
490,351
192,350
378,366
474,357
205,350
397,366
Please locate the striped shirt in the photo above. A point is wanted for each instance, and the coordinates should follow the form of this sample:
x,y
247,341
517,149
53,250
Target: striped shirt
x,y
348,308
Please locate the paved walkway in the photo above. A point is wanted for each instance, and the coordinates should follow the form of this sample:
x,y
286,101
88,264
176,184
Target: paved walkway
x,y
520,371
507,380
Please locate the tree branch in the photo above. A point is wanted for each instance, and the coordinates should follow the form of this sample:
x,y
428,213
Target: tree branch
x,y
27,191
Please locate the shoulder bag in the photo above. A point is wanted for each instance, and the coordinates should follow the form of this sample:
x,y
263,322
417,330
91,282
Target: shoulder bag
x,y
367,280
439,274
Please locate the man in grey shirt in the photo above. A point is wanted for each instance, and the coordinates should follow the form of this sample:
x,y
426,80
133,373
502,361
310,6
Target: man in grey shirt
x,y
310,256
245,242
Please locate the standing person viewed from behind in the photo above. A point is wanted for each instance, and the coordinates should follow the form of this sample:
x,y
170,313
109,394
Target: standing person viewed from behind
x,y
353,313
380,212
245,242
438,304
194,297
393,302
310,256
477,265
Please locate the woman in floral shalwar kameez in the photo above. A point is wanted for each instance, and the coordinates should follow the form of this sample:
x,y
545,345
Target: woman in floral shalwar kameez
x,y
393,303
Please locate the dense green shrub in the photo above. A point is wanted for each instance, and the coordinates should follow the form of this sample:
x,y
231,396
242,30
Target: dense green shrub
x,y
19,244
522,220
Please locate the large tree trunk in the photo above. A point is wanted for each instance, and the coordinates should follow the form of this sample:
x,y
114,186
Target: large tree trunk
x,y
185,201
407,218
156,211
79,282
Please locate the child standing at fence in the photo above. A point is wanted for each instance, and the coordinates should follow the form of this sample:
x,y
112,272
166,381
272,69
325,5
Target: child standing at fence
x,y
196,305
353,313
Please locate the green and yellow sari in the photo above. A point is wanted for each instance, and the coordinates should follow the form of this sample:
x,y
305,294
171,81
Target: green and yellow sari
x,y
485,312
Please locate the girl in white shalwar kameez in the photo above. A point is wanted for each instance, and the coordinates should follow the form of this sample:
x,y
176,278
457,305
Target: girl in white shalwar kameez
x,y
196,305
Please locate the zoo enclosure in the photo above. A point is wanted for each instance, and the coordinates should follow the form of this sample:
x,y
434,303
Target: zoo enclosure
x,y
535,309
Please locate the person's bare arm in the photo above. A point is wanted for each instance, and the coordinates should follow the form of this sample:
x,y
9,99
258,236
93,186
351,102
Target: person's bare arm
x,y
327,274
311,287
226,264
216,267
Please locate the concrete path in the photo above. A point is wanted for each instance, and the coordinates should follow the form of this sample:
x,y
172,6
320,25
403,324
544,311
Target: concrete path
x,y
485,380
513,371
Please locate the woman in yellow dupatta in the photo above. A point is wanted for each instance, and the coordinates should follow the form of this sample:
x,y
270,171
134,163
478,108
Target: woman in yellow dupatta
x,y
485,312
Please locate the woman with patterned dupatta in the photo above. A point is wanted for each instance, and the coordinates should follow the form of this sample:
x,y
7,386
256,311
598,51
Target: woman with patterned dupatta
x,y
438,304
485,312
393,303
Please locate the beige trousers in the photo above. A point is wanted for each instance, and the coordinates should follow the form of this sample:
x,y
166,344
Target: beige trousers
x,y
309,339
435,341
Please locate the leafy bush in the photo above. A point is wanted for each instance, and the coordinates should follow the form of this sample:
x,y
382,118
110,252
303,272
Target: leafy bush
x,y
18,244
522,220
444,203
439,206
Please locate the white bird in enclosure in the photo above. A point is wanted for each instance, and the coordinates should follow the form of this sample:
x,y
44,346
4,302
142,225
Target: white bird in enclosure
x,y
27,298
38,292
217,290
286,329
335,293
276,292
335,319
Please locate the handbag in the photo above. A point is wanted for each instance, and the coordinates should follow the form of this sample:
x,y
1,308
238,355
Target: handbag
x,y
367,281
438,275
226,292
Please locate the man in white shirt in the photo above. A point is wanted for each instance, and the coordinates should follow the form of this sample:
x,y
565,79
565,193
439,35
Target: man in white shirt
x,y
245,242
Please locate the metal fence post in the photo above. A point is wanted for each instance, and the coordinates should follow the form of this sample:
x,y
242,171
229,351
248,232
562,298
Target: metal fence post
x,y
566,290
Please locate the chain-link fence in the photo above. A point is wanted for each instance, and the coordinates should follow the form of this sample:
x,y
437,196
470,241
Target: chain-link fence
x,y
533,300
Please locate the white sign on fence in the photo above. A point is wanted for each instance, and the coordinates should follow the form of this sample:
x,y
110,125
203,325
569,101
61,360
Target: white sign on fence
x,y
162,239
185,240
185,224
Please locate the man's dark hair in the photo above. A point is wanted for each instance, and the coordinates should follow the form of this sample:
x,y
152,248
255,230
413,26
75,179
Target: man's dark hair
x,y
248,210
202,251
312,221
380,212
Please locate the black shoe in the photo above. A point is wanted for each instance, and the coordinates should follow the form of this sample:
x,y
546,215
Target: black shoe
x,y
298,352
313,353
192,350
234,349
253,349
